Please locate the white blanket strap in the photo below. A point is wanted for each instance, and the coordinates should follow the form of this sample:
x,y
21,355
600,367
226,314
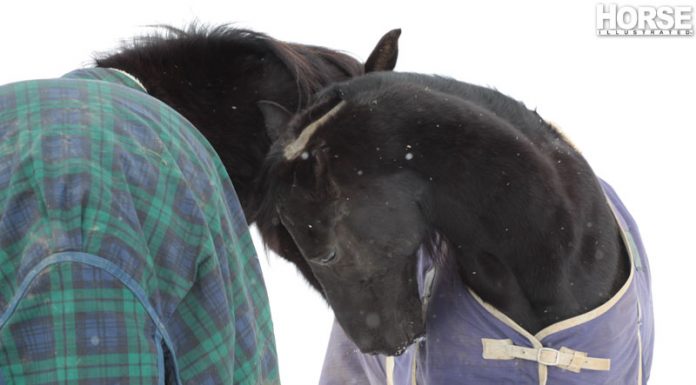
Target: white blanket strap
x,y
564,358
389,368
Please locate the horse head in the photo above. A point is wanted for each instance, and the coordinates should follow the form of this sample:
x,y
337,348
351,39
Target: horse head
x,y
356,217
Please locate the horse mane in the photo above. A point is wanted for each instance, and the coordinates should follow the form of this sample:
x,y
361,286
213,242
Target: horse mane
x,y
304,62
301,60
215,75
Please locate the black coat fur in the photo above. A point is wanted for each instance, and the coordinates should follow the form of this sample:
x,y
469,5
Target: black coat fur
x,y
523,217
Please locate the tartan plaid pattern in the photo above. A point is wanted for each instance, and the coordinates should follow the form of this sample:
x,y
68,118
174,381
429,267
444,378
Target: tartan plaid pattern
x,y
124,255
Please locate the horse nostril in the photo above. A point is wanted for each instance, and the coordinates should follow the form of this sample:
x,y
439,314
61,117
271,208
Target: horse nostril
x,y
329,257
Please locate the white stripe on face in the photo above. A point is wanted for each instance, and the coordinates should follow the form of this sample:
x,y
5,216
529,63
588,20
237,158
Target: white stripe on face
x,y
295,148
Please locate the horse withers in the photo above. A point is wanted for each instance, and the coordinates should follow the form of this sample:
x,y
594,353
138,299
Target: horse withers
x,y
538,273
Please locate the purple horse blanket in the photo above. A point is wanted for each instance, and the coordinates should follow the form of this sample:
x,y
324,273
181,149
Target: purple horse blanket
x,y
469,342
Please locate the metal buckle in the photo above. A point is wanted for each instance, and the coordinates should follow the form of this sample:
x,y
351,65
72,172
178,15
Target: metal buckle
x,y
550,350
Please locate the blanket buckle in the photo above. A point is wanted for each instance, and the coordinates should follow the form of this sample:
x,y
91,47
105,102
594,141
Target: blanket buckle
x,y
553,362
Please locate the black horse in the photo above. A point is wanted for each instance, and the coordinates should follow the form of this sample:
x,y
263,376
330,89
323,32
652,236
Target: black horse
x,y
382,165
215,77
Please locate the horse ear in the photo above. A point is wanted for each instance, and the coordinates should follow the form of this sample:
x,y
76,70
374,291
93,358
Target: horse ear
x,y
383,56
275,117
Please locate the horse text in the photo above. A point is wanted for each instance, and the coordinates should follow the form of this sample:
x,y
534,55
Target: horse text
x,y
626,20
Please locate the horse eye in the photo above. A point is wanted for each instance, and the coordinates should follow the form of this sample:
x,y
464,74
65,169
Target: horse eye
x,y
328,257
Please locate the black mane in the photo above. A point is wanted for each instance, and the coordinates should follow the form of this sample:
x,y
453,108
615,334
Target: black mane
x,y
214,76
305,62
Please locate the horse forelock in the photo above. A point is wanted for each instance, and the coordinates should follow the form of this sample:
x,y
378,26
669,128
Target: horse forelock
x,y
297,146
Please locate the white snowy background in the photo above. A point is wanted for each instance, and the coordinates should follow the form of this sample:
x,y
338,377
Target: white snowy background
x,y
627,103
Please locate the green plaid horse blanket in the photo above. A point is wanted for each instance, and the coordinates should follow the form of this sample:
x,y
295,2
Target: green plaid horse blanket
x,y
124,255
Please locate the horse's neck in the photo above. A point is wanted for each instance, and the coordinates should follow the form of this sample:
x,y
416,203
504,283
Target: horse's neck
x,y
541,246
216,91
200,77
